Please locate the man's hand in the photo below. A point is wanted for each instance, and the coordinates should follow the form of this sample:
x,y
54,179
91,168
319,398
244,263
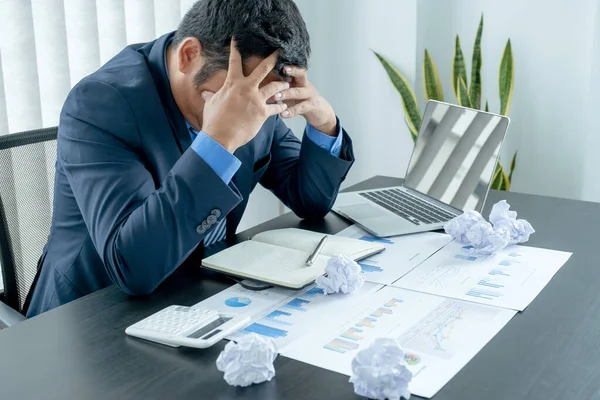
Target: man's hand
x,y
234,115
304,99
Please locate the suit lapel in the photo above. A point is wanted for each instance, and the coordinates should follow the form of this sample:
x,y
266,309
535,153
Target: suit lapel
x,y
155,54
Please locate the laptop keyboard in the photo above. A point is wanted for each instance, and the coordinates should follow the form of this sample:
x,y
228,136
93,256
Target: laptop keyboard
x,y
408,206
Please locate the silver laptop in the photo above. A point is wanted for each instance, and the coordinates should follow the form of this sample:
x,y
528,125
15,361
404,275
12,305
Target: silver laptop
x,y
450,171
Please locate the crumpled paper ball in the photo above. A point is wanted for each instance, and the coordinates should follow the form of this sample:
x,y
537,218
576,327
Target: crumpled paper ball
x,y
380,372
482,237
343,275
248,361
519,229
485,239
459,227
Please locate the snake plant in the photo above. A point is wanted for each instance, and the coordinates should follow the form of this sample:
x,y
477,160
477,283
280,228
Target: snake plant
x,y
468,93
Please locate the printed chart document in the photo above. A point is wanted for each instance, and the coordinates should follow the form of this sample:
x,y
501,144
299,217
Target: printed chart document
x,y
511,278
305,312
401,255
255,304
439,335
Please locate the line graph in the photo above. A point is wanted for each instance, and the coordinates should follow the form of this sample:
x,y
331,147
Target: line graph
x,y
434,333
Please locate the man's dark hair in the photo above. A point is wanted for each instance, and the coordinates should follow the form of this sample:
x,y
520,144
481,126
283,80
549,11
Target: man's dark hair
x,y
259,26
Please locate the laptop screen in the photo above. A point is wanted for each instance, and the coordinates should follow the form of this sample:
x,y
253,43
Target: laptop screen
x,y
455,155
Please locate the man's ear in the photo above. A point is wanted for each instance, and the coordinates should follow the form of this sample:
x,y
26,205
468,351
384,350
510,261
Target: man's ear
x,y
188,54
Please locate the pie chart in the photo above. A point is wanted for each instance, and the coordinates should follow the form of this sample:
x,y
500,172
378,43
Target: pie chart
x,y
237,302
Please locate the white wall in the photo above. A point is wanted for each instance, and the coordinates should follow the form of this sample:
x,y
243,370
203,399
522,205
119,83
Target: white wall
x,y
553,48
591,182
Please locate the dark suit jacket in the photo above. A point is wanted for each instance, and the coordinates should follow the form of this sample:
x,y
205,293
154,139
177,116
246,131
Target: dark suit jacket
x,y
132,200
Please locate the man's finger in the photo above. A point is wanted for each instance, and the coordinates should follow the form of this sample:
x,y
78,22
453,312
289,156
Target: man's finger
x,y
235,61
274,109
300,75
206,95
264,68
298,109
273,89
295,93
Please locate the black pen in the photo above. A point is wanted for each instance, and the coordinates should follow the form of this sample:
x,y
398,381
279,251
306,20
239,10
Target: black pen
x,y
315,253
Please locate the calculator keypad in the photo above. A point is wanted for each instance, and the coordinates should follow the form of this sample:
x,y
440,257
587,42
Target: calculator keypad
x,y
177,320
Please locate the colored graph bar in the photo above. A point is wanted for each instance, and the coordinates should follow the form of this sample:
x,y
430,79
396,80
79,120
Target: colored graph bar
x,y
393,302
483,293
486,282
266,330
351,334
477,294
515,254
368,238
340,346
275,317
498,271
369,268
465,257
313,292
380,311
367,322
297,304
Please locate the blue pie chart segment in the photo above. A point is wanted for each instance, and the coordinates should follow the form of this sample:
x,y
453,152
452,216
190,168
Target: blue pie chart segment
x,y
238,302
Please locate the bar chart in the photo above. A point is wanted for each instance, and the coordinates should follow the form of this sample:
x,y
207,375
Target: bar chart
x,y
370,266
372,239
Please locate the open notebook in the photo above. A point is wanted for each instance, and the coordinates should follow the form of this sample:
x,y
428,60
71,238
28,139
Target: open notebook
x,y
279,256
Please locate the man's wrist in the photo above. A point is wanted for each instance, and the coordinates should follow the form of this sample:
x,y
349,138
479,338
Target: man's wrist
x,y
330,128
224,140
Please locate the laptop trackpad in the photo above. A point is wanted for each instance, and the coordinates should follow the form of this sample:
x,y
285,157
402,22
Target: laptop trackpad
x,y
362,211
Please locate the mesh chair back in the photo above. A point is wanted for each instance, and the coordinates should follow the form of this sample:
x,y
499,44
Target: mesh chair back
x,y
27,163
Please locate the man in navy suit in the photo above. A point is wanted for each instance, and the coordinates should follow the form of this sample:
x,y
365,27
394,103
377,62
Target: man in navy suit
x,y
159,149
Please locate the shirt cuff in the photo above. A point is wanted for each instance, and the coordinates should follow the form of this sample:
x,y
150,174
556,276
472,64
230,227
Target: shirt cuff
x,y
332,144
216,156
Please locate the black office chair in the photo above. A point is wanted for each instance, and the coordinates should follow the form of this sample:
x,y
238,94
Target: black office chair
x,y
26,193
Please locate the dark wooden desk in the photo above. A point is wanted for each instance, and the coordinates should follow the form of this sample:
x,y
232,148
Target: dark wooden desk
x,y
550,351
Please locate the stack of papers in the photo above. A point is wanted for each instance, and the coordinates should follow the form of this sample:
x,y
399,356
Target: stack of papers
x,y
441,303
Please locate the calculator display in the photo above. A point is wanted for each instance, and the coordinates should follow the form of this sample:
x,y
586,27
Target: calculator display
x,y
208,328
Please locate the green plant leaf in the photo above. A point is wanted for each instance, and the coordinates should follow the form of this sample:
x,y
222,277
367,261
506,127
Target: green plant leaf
x,y
497,179
487,108
413,132
463,95
506,79
505,181
409,100
431,79
500,180
459,68
513,164
475,86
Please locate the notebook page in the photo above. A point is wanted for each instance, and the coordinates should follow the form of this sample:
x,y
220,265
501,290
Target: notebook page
x,y
307,241
268,263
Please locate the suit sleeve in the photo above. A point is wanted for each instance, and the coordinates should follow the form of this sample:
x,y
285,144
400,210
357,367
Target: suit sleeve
x,y
141,229
304,176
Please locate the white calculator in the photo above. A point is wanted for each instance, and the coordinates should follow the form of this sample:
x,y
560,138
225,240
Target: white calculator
x,y
186,326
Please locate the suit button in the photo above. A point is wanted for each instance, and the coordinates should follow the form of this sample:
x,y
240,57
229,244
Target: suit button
x,y
199,229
